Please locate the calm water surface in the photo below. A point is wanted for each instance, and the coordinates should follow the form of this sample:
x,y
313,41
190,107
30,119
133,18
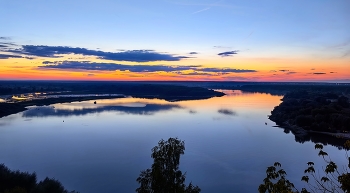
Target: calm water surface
x,y
103,147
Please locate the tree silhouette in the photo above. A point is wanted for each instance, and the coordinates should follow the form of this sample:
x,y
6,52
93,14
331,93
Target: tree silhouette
x,y
24,182
333,180
164,175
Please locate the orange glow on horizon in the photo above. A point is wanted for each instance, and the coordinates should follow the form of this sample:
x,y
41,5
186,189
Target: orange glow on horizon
x,y
268,69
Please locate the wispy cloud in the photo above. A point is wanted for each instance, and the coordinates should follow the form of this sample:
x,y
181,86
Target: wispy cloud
x,y
222,47
319,73
251,33
5,38
205,9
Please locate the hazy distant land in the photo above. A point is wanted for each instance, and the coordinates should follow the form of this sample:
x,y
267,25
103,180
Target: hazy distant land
x,y
31,93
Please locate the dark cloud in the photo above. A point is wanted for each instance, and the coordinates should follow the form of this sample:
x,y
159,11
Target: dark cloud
x,y
291,72
29,58
332,72
273,71
227,70
197,73
283,70
48,62
313,69
7,44
193,53
130,55
7,56
86,65
319,73
90,74
229,53
227,112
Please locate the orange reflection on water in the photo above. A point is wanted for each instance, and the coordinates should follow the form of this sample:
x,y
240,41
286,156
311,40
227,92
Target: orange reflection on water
x,y
236,100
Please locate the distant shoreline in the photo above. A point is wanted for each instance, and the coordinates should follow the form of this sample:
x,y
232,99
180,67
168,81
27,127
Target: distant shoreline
x,y
17,107
7,109
300,132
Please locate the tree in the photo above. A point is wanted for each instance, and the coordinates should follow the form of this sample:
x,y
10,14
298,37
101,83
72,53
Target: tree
x,y
164,175
24,182
276,181
333,180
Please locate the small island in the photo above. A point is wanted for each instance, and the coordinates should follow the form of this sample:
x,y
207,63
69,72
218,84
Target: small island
x,y
305,112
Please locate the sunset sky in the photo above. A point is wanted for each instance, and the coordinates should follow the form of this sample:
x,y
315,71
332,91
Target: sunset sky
x,y
266,40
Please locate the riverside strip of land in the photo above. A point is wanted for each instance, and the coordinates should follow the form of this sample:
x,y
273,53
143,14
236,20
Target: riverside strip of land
x,y
70,91
305,112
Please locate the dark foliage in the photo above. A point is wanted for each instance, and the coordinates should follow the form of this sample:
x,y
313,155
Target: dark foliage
x,y
24,182
136,89
316,111
164,175
332,179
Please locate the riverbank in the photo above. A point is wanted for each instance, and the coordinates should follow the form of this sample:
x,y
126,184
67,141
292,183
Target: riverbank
x,y
302,133
13,108
304,112
80,92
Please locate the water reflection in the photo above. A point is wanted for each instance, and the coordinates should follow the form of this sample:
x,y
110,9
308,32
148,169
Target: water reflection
x,y
318,138
127,108
224,153
227,112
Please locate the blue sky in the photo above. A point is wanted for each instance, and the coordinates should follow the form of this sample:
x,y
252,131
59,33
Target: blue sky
x,y
256,29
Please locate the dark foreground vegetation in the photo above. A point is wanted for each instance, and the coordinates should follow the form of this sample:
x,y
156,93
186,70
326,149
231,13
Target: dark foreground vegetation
x,y
313,111
24,182
333,178
164,175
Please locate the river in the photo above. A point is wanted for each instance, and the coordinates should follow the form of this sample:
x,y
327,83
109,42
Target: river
x,y
103,147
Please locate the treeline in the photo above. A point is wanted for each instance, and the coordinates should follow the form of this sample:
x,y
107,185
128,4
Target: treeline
x,y
136,89
316,111
284,88
24,182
